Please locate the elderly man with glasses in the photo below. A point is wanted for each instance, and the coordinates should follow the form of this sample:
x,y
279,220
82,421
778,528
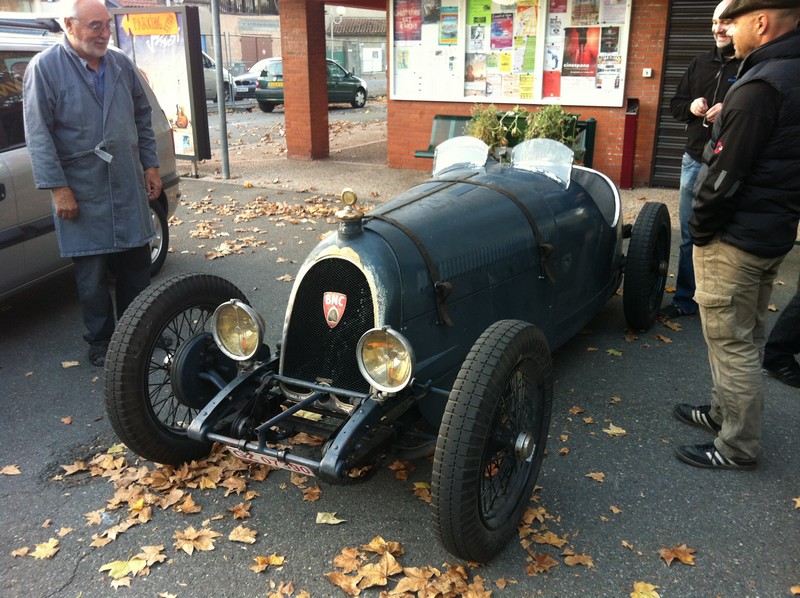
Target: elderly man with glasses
x,y
88,129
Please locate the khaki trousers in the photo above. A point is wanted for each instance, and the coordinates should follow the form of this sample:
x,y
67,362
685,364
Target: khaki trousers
x,y
733,291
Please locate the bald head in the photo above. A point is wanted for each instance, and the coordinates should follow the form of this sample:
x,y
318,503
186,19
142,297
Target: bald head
x,y
754,28
719,29
88,29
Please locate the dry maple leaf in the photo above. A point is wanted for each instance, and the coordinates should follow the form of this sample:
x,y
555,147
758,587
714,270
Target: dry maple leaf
x,y
45,550
64,531
627,545
575,410
613,430
683,553
10,470
241,511
615,510
347,583
550,538
66,420
415,580
152,555
597,476
329,519
644,590
378,574
119,569
243,534
75,468
349,559
381,546
662,338
99,541
188,506
191,539
307,439
579,559
312,494
234,484
264,562
795,590
539,563
20,551
122,582
796,503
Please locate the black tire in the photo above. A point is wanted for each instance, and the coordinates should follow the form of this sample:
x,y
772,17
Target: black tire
x,y
160,245
491,440
359,99
646,266
140,402
266,106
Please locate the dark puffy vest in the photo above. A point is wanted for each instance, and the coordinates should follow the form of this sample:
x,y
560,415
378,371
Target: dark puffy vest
x,y
765,222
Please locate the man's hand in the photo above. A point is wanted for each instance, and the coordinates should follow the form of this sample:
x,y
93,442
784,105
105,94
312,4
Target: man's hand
x,y
713,112
65,204
699,107
152,183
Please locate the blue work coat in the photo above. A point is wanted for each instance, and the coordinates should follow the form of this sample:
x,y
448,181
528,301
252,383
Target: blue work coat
x,y
97,149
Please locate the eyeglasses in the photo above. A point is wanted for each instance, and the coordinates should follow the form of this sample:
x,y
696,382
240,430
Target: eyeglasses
x,y
98,26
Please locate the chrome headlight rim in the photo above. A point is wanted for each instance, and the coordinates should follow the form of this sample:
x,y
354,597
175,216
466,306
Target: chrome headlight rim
x,y
410,360
258,329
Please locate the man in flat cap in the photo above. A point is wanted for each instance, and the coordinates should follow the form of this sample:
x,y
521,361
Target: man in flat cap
x,y
744,221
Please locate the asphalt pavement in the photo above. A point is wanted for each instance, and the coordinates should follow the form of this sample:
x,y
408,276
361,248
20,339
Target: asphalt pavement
x,y
741,528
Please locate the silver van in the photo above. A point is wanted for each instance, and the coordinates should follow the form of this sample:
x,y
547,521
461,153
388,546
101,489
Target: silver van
x,y
28,248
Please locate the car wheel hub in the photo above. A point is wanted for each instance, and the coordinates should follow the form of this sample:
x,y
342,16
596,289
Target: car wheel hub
x,y
524,446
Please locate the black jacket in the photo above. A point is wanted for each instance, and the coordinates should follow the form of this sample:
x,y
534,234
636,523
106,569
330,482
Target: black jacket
x,y
748,190
708,76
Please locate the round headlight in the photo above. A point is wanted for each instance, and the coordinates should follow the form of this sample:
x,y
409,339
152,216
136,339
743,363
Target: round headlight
x,y
386,359
238,330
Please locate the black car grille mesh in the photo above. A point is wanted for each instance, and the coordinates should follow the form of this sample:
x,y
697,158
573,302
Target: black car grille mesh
x,y
314,351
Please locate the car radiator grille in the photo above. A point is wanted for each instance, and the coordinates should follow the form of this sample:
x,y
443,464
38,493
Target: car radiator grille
x,y
313,351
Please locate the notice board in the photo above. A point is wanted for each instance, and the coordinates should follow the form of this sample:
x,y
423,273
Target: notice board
x,y
568,52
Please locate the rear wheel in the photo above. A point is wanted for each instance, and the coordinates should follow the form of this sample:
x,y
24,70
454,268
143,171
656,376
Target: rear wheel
x,y
646,266
491,440
266,106
359,99
140,401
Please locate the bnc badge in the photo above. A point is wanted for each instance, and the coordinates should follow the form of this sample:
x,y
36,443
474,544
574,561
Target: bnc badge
x,y
333,305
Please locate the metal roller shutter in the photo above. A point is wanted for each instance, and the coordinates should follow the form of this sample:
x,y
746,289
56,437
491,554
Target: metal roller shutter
x,y
689,34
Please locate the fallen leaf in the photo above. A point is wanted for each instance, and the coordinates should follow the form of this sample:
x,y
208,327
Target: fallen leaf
x,y
191,539
347,583
243,534
797,503
121,582
152,555
772,307
381,546
10,470
329,519
549,538
540,563
264,562
627,545
119,569
75,468
683,553
579,559
349,559
597,476
662,338
285,278
20,551
644,590
575,410
377,574
64,531
614,352
795,590
46,550
615,510
613,430
66,420
70,364
241,511
188,506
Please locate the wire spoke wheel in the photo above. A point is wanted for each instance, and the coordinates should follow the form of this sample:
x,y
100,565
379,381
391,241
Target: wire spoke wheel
x,y
140,398
491,440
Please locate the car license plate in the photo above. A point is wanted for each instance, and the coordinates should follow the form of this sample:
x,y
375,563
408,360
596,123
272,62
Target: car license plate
x,y
271,461
242,88
275,84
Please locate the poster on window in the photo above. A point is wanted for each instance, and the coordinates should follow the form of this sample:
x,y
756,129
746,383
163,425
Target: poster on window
x,y
157,41
407,20
572,52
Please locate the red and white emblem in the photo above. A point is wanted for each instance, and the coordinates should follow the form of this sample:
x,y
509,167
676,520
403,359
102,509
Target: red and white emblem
x,y
333,305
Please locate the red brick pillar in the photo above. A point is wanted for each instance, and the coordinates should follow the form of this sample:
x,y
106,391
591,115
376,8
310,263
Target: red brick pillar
x,y
305,76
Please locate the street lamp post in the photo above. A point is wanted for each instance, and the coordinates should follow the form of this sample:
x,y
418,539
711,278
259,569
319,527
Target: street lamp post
x,y
335,20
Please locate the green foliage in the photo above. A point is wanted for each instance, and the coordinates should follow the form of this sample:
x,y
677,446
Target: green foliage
x,y
553,122
498,128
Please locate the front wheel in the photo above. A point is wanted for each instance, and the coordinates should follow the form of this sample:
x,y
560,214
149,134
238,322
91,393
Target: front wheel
x,y
140,401
491,440
359,99
646,266
159,246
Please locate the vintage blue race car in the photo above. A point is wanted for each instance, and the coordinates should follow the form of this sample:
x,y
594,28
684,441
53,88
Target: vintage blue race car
x,y
425,326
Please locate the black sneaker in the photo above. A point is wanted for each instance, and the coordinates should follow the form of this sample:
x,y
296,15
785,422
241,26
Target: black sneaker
x,y
787,372
97,353
707,456
699,416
